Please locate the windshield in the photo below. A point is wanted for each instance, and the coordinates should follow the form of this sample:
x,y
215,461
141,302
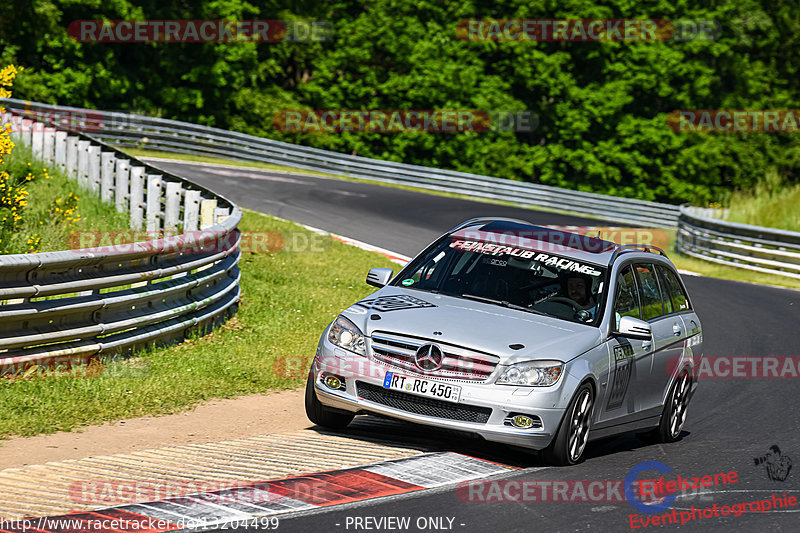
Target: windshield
x,y
510,276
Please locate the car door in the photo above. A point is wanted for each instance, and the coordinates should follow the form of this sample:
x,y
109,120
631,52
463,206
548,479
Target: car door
x,y
668,339
619,403
676,300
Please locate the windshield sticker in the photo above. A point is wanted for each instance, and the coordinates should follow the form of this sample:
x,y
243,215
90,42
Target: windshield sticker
x,y
394,303
545,259
407,282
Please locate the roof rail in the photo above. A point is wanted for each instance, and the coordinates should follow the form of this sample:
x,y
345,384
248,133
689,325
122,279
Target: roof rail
x,y
649,248
478,220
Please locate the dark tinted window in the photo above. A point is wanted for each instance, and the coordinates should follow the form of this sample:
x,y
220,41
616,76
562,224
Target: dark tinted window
x,y
626,298
650,292
665,293
679,300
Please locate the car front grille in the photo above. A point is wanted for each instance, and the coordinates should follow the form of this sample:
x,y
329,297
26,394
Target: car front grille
x,y
422,406
459,364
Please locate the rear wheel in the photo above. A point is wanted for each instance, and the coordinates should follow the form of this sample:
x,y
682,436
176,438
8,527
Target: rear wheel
x,y
570,442
674,415
321,415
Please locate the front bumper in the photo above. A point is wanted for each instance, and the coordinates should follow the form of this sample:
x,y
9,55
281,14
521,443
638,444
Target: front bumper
x,y
500,401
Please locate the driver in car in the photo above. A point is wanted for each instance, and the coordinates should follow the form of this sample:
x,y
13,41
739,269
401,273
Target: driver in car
x,y
578,288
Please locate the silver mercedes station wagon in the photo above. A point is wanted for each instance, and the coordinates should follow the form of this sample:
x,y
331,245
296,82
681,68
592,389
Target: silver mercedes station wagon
x,y
520,334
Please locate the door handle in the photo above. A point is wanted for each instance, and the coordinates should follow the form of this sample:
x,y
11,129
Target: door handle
x,y
676,329
646,345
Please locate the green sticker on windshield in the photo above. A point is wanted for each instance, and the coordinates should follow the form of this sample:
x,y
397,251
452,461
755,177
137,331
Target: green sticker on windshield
x,y
407,282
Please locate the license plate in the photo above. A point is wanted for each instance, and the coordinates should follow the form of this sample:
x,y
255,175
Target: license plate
x,y
422,387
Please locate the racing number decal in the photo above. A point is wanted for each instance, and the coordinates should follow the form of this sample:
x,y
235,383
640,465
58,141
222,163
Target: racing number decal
x,y
623,367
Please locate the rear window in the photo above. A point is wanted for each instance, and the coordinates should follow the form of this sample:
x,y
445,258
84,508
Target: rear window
x,y
677,295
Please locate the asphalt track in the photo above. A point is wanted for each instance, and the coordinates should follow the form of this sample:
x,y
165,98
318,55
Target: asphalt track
x,y
730,421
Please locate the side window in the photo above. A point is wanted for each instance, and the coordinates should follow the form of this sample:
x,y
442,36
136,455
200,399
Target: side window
x,y
651,294
665,292
626,297
679,300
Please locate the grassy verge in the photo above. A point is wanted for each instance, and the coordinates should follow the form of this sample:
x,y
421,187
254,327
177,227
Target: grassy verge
x,y
141,152
771,203
288,298
56,206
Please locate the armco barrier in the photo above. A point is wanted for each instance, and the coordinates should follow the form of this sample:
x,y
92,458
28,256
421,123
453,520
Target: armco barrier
x,y
72,305
766,250
124,129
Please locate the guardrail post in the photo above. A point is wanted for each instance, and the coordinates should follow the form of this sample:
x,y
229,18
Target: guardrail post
x,y
207,208
191,211
153,213
37,139
83,164
220,214
93,179
107,176
60,151
48,145
137,197
71,162
26,132
172,208
121,189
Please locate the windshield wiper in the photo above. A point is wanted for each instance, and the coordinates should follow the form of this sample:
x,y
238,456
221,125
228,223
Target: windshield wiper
x,y
503,303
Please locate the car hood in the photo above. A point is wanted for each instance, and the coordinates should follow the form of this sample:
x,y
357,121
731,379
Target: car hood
x,y
481,326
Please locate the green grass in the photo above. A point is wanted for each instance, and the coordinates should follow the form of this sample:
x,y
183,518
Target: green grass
x,y
771,203
43,193
288,298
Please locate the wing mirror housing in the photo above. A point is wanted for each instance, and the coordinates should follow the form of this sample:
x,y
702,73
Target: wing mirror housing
x,y
379,277
633,328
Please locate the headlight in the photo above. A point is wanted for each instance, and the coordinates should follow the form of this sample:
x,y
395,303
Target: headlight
x,y
345,334
532,374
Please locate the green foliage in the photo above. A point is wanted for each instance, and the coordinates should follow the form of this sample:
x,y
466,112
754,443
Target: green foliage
x,y
601,107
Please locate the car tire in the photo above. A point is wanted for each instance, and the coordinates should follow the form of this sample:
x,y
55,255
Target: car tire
x,y
569,444
674,415
321,415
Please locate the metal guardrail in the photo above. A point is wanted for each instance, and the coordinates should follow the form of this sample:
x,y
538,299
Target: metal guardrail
x,y
767,250
124,129
70,306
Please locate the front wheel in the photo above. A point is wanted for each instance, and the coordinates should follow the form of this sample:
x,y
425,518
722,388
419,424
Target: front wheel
x,y
321,415
570,442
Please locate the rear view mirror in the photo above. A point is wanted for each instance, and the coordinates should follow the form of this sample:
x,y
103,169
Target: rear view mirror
x,y
379,277
633,328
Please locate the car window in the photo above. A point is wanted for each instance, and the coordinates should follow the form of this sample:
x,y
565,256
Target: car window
x,y
650,292
626,298
665,292
509,273
677,295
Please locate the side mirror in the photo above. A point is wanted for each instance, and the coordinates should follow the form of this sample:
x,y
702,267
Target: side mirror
x,y
379,277
633,328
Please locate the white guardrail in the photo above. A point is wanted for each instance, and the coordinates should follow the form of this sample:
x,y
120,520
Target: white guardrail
x,y
70,306
123,129
766,250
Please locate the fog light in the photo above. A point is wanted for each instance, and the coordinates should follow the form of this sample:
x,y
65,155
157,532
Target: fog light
x,y
522,421
333,382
